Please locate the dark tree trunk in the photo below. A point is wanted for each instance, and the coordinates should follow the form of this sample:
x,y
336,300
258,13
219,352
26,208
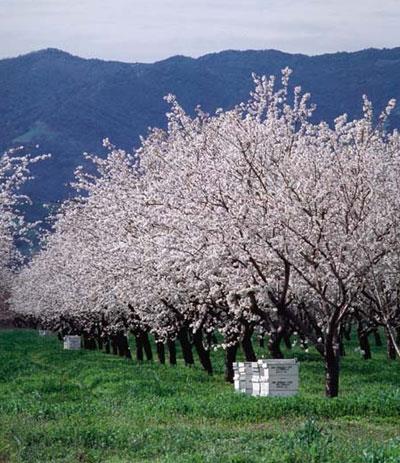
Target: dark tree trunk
x,y
332,359
186,346
275,340
139,347
391,351
362,334
100,342
172,352
230,357
147,347
262,343
342,349
377,338
274,345
123,346
107,346
247,346
160,352
347,331
204,355
85,339
119,339
288,342
128,348
114,345
364,345
92,343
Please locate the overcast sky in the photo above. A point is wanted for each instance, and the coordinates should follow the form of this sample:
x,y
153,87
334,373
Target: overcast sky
x,y
150,30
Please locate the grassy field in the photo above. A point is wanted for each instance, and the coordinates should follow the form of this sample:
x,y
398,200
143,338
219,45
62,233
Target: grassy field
x,y
63,406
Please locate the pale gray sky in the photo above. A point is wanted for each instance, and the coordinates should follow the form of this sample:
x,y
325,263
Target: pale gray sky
x,y
150,30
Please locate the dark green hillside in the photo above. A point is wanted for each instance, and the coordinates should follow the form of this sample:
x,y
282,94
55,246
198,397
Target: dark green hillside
x,y
68,104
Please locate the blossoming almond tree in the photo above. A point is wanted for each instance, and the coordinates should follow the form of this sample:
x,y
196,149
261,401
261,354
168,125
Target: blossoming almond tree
x,y
14,171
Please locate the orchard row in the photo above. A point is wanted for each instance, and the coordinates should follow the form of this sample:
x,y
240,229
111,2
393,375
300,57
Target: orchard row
x,y
255,221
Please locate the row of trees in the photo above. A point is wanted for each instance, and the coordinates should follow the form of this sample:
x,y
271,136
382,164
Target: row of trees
x,y
14,171
252,221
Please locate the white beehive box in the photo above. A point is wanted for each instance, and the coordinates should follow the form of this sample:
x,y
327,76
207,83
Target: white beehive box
x,y
277,393
273,378
44,332
276,388
72,342
289,383
240,385
279,368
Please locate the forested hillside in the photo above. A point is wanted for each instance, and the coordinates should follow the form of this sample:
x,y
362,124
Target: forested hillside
x,y
67,105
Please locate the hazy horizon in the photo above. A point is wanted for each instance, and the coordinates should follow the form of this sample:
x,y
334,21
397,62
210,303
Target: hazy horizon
x,y
196,57
136,31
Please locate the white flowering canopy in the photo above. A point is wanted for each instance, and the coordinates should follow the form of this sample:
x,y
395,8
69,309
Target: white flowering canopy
x,y
14,171
226,219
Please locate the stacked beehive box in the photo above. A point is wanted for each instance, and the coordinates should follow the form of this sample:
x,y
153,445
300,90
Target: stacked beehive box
x,y
45,332
267,377
72,342
244,373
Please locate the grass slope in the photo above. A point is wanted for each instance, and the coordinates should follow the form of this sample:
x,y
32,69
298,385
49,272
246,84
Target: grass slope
x,y
63,406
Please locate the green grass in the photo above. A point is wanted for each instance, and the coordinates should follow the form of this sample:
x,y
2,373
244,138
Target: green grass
x,y
64,406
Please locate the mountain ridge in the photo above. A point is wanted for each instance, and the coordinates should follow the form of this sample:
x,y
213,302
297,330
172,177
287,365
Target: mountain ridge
x,y
68,104
60,52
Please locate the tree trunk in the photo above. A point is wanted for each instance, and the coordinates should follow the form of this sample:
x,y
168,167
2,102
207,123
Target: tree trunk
x,y
378,339
391,351
230,357
147,346
364,345
128,353
347,331
186,346
288,342
114,345
204,355
119,339
394,337
262,343
362,334
332,358
107,346
342,349
123,346
247,345
85,341
172,352
139,347
274,345
160,352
